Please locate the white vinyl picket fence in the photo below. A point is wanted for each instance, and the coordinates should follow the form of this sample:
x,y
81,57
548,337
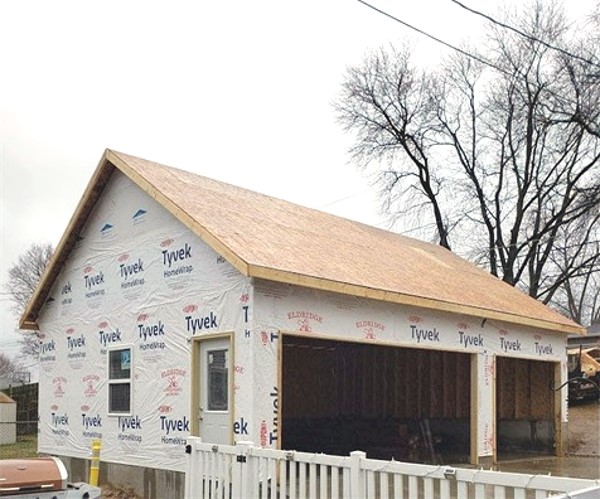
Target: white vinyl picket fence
x,y
244,471
589,493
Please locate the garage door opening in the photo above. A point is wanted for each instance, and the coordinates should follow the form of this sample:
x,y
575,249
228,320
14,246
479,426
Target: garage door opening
x,y
407,404
525,408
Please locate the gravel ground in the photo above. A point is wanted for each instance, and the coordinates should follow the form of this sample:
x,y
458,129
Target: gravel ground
x,y
584,429
118,493
582,459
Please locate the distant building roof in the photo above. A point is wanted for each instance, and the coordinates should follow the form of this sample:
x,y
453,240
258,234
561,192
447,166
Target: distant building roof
x,y
593,330
5,399
591,338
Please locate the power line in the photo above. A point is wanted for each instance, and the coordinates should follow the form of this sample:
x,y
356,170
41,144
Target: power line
x,y
542,239
494,66
350,196
345,198
438,40
524,34
512,245
467,53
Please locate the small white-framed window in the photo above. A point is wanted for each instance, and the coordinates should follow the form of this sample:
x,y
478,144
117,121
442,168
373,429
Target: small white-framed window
x,y
120,380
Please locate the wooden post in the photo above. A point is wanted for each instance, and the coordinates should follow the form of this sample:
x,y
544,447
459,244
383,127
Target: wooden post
x,y
474,414
557,399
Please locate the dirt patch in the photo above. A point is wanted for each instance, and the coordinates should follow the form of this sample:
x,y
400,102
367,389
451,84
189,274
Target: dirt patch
x,y
118,493
584,429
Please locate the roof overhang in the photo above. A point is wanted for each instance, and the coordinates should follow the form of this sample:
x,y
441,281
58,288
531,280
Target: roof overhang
x,y
68,241
111,160
411,300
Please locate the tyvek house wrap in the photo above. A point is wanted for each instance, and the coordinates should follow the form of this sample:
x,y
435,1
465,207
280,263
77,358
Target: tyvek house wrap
x,y
137,277
280,308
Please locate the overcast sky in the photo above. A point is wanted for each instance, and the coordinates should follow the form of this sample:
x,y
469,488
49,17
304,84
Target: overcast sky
x,y
237,91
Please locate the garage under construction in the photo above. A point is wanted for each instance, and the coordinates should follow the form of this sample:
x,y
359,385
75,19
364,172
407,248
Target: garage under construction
x,y
527,407
176,305
404,403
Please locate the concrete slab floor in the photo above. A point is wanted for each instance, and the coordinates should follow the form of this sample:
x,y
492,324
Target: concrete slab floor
x,y
571,466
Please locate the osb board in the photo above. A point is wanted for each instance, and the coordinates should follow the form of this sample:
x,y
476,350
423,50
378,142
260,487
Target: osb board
x,y
541,394
325,379
269,238
524,389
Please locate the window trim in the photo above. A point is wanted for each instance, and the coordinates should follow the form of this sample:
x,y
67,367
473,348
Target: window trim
x,y
120,381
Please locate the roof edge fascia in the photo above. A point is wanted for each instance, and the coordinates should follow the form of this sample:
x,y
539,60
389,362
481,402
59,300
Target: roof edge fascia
x,y
180,214
109,161
404,299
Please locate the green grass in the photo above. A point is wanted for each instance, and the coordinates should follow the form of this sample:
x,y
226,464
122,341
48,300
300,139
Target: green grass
x,y
26,446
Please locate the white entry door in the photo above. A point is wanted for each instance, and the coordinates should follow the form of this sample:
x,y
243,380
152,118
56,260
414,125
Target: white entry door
x,y
215,399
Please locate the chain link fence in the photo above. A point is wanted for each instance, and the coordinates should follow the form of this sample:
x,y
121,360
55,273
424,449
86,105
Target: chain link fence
x,y
18,439
19,426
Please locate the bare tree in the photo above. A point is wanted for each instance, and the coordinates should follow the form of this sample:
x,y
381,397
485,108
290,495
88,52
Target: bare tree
x,y
23,277
9,367
490,155
579,296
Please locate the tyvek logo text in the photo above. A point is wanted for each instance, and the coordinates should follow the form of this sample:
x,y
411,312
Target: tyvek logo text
x,y
129,427
170,425
175,261
151,334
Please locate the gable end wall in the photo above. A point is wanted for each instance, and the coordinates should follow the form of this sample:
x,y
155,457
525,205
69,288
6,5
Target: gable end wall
x,y
137,277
